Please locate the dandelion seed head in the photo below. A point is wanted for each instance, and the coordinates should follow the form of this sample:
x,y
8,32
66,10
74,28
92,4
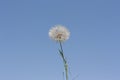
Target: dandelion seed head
x,y
59,33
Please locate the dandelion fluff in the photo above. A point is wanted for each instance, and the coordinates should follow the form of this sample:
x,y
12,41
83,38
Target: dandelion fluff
x,y
59,33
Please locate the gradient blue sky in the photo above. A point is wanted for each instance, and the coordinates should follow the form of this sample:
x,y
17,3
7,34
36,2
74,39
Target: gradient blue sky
x,y
27,53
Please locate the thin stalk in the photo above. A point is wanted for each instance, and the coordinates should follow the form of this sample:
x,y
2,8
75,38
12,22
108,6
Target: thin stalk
x,y
61,46
64,60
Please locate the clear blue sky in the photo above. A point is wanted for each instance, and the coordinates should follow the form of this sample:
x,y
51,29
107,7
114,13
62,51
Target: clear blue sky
x,y
27,53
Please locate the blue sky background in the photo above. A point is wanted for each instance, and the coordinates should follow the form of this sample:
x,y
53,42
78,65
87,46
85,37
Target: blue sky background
x,y
27,53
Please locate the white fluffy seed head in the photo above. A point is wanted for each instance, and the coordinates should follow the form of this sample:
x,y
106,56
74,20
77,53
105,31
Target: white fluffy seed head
x,y
59,33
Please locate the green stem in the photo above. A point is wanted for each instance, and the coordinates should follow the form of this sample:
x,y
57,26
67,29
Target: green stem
x,y
64,61
66,71
61,46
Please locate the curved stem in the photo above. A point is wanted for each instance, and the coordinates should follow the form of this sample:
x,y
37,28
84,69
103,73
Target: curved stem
x,y
64,61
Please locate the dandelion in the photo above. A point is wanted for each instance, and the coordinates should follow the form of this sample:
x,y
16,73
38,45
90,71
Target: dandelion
x,y
60,34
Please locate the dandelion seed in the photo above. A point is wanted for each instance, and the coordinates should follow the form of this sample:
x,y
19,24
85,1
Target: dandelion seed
x,y
59,33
